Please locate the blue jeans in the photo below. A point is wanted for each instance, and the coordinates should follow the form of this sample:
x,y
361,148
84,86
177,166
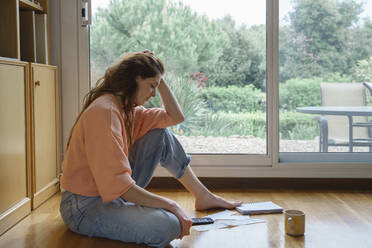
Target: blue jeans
x,y
126,221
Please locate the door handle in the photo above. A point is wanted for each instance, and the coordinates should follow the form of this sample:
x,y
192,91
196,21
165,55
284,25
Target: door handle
x,y
37,83
86,12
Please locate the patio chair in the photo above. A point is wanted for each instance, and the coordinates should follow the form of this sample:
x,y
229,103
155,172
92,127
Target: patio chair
x,y
334,130
369,87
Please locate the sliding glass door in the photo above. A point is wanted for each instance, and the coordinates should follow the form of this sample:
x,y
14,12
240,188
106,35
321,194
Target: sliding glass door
x,y
325,60
215,56
260,82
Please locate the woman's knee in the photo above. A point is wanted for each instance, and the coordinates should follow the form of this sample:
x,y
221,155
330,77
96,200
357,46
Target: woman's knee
x,y
151,138
169,229
161,133
158,132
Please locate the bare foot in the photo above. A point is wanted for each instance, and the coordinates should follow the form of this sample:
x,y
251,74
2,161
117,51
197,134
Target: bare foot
x,y
215,201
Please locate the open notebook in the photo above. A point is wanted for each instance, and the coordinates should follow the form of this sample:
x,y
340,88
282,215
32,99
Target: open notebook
x,y
259,208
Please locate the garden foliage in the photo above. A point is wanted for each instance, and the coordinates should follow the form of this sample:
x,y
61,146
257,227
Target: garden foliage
x,y
234,99
217,70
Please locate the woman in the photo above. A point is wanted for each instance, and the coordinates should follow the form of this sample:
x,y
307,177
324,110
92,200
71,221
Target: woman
x,y
105,195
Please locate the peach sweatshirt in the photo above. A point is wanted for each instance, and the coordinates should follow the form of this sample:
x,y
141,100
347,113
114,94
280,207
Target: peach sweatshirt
x,y
96,162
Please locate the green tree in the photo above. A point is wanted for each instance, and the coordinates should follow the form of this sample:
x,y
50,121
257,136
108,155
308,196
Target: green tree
x,y
184,40
240,62
257,37
189,96
319,38
360,43
362,72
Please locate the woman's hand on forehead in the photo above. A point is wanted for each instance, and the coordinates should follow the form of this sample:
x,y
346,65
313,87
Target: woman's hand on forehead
x,y
160,81
148,51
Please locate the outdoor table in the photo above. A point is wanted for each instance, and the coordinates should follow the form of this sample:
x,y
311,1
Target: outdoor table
x,y
348,111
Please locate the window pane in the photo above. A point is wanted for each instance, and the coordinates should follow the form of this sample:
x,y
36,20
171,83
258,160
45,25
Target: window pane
x,y
325,57
215,58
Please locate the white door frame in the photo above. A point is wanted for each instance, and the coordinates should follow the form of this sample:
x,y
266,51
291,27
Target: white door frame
x,y
70,52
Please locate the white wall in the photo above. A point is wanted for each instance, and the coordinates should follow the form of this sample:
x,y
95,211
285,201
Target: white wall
x,y
72,59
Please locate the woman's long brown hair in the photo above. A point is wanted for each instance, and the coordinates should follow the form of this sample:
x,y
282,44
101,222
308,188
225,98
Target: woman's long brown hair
x,y
120,80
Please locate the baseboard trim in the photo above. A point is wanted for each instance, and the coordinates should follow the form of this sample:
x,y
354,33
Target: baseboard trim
x,y
45,193
13,215
270,183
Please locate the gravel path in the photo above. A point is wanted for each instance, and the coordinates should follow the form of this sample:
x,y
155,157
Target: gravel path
x,y
250,144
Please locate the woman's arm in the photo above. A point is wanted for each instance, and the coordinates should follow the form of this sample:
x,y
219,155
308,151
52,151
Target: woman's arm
x,y
170,102
145,198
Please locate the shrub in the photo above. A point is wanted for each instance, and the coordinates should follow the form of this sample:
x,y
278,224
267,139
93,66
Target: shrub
x,y
227,124
336,77
300,92
218,111
234,99
189,97
362,72
292,125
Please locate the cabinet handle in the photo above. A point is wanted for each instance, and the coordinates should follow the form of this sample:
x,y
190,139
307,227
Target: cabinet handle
x,y
37,83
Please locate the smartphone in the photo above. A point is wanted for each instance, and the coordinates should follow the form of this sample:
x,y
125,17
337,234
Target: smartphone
x,y
202,221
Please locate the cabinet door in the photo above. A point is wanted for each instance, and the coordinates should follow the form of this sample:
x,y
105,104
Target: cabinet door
x,y
15,197
45,135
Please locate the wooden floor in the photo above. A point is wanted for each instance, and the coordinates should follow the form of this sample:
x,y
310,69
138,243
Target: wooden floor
x,y
333,219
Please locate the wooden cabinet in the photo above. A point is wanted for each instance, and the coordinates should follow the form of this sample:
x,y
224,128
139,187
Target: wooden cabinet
x,y
15,145
44,109
24,30
29,149
28,110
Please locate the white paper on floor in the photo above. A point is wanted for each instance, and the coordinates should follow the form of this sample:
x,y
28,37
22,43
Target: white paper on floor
x,y
239,222
213,226
226,223
233,217
226,215
225,219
